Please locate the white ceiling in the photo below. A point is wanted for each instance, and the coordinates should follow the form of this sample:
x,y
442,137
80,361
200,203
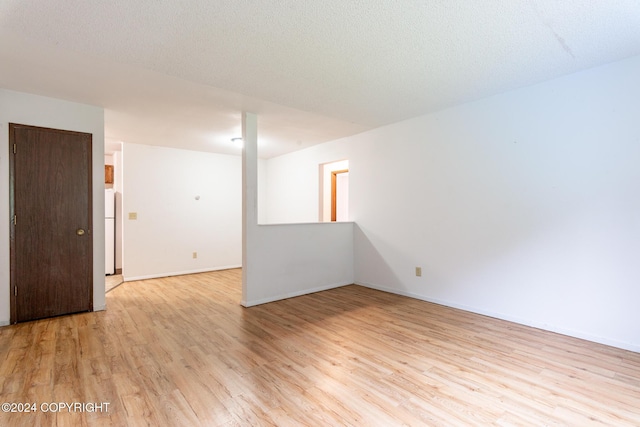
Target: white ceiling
x,y
178,73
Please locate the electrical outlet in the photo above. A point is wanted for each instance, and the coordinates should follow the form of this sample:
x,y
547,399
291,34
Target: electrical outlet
x,y
419,271
195,255
133,215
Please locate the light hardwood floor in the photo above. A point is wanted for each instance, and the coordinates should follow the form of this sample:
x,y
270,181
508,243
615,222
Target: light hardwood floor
x,y
182,351
112,282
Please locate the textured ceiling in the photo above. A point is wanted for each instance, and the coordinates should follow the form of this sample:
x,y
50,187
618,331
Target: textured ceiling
x,y
179,73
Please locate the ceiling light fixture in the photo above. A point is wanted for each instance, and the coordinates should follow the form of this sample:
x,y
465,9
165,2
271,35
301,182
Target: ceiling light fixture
x,y
236,140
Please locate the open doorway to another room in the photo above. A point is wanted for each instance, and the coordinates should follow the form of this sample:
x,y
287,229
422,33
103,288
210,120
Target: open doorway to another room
x,y
334,191
113,214
340,195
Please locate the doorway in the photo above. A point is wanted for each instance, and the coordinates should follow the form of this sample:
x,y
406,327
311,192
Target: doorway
x,y
340,195
334,191
51,239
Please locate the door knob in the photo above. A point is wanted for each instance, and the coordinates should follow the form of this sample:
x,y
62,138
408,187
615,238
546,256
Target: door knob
x,y
80,232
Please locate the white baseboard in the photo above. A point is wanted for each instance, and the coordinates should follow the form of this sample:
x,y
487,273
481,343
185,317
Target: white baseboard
x,y
526,322
178,273
292,294
4,323
100,307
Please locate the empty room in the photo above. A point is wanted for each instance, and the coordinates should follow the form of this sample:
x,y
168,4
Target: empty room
x,y
337,213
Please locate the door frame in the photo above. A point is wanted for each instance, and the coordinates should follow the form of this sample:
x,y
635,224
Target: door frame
x,y
334,192
13,313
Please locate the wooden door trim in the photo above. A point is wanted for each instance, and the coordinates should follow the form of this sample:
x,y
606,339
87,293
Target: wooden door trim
x,y
334,192
13,315
12,233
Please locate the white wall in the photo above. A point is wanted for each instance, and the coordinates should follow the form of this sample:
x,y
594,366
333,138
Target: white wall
x,y
262,191
22,108
523,206
296,259
293,184
286,260
161,185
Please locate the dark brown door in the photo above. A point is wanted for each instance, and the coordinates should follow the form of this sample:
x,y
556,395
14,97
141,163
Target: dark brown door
x,y
51,239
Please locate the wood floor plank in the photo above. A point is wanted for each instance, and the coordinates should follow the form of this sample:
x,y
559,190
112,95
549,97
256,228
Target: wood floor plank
x,y
181,351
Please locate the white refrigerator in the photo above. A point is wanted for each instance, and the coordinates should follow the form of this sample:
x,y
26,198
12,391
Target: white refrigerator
x,y
109,231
